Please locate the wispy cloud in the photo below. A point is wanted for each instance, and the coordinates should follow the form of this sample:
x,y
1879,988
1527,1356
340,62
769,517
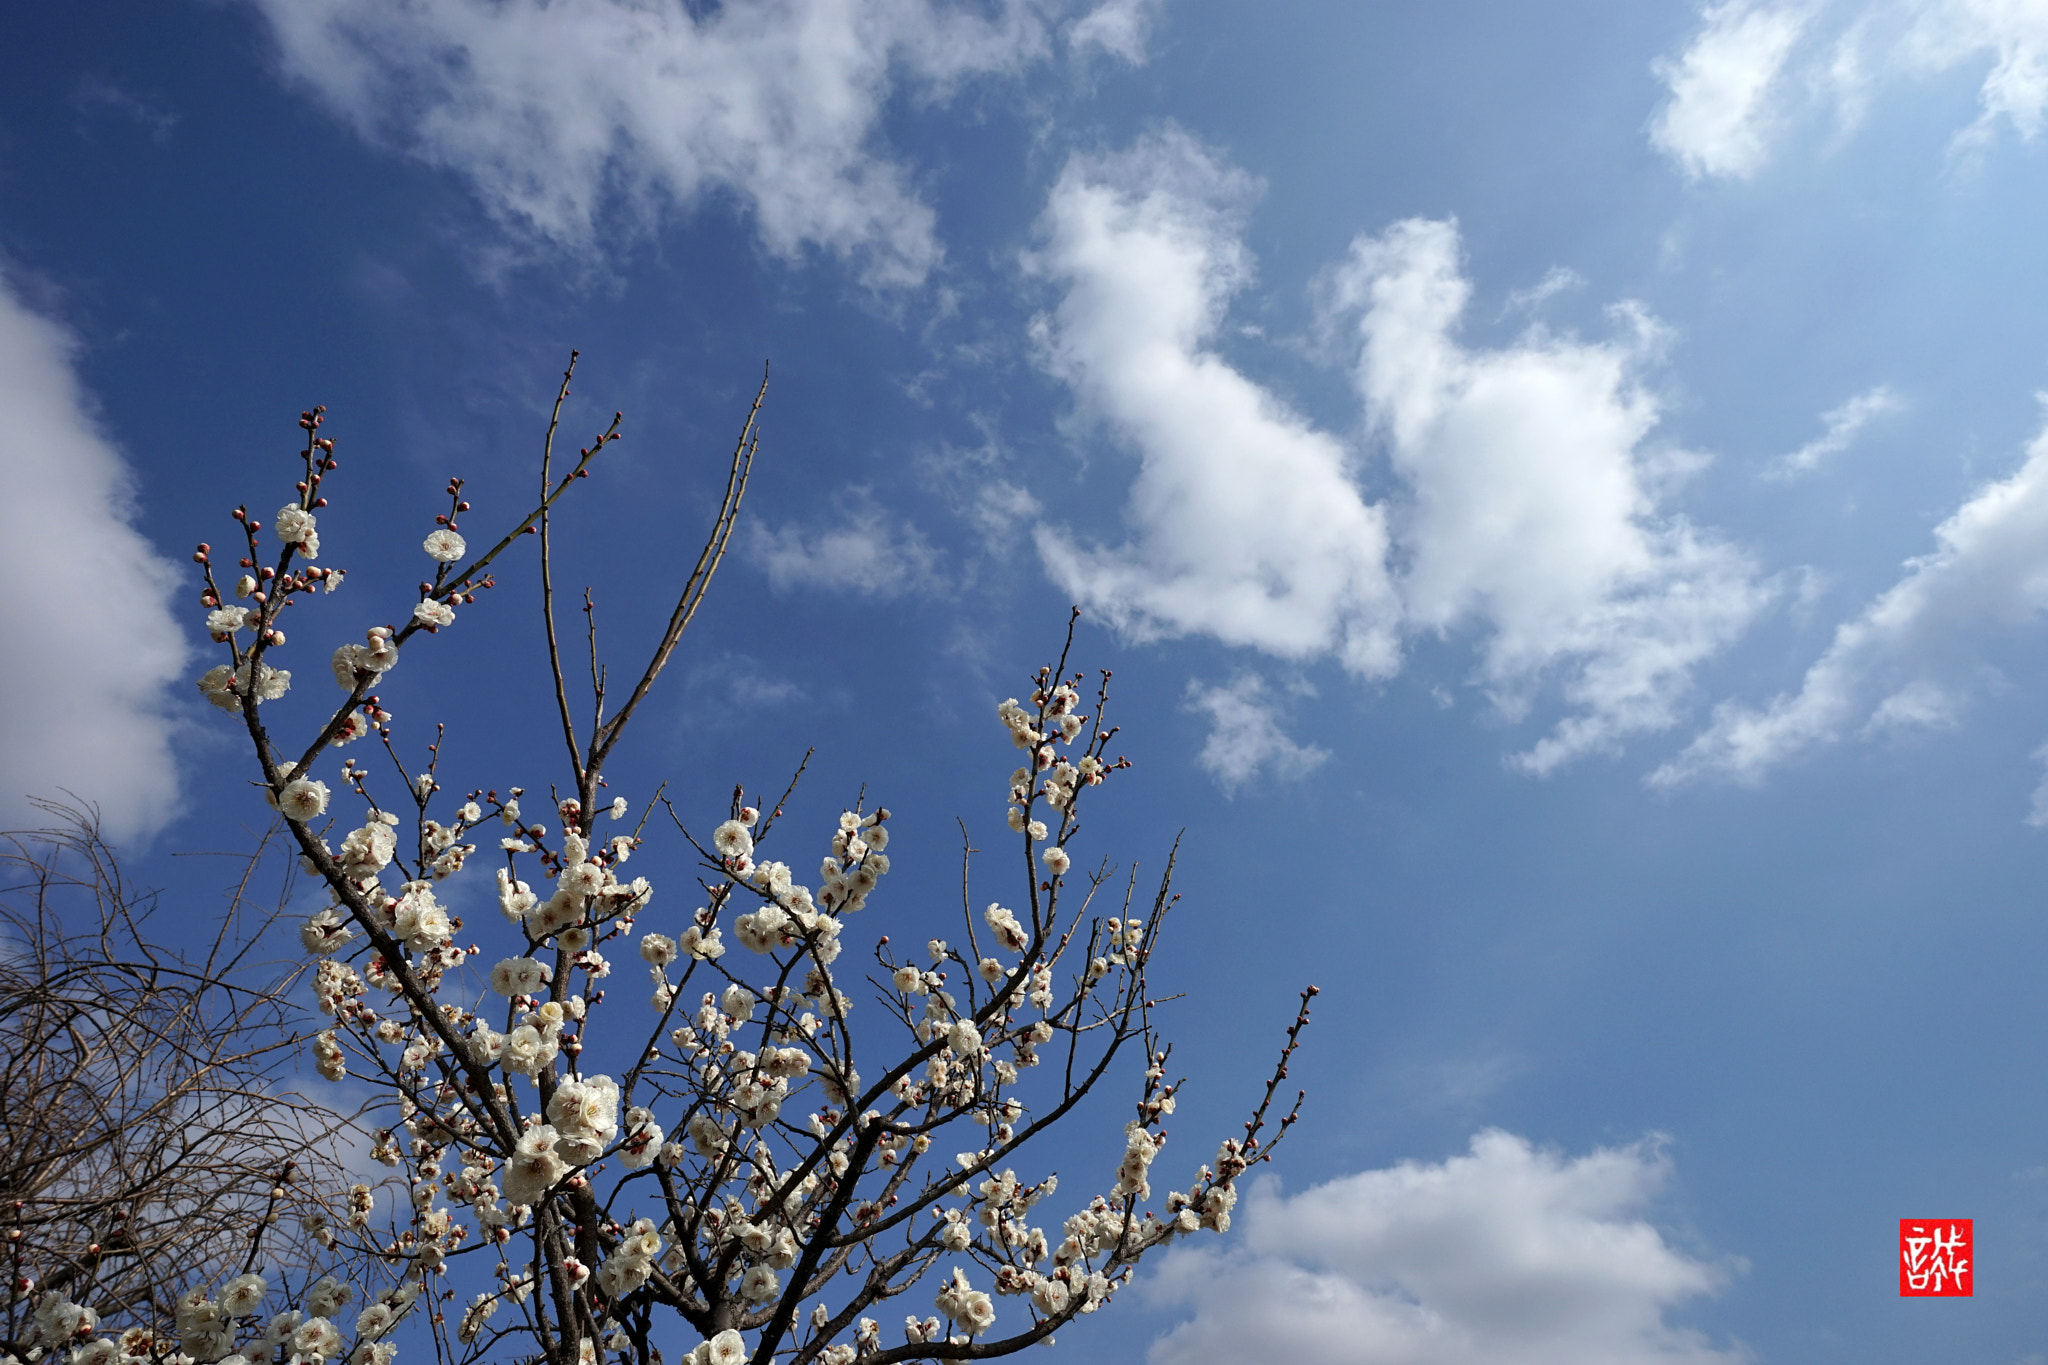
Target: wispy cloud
x,y
1842,426
1721,112
859,547
1912,655
1508,1255
1556,280
94,94
975,483
1753,69
733,680
87,612
572,120
1118,27
2013,34
2037,809
1245,741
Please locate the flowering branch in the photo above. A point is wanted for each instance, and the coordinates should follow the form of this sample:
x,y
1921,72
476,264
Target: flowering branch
x,y
739,1174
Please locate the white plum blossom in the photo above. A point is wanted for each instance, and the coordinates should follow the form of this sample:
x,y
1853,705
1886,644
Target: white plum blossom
x,y
296,526
1139,1151
632,1262
486,1044
708,1136
732,840
585,1114
702,944
328,1058
228,620
1018,721
325,932
481,1309
555,914
1216,1207
526,1051
515,976
535,1165
445,544
375,1320
642,1139
433,615
762,931
727,1348
970,1309
317,1338
515,898
368,850
380,649
243,1295
303,799
226,687
1007,930
367,661
419,919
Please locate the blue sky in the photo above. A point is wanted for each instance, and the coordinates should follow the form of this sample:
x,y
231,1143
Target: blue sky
x,y
1562,489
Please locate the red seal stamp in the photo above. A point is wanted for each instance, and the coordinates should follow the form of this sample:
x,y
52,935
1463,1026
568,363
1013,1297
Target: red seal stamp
x,y
1935,1257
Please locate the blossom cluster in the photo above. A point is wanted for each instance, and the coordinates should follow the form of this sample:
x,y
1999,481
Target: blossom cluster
x,y
230,1327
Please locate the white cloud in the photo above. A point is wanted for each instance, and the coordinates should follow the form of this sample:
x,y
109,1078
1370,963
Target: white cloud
x,y
1731,87
1245,523
2037,811
1919,705
87,613
1843,425
1533,513
564,115
1246,742
2012,33
971,480
93,94
1914,644
1505,1256
861,549
1844,78
1720,115
1556,280
742,681
1000,510
1118,27
1531,510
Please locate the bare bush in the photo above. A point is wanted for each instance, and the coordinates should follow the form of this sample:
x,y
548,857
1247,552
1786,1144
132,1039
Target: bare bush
x,y
147,1131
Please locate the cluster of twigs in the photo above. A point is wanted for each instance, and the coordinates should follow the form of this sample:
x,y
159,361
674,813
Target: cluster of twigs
x,y
148,1131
